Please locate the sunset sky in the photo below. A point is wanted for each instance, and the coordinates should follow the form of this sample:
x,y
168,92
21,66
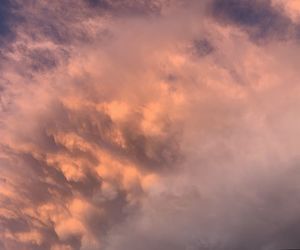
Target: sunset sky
x,y
149,124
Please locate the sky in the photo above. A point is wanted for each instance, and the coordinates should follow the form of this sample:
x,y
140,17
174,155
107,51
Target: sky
x,y
149,124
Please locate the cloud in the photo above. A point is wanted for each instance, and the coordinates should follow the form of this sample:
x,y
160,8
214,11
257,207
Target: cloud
x,y
149,125
127,7
260,19
4,16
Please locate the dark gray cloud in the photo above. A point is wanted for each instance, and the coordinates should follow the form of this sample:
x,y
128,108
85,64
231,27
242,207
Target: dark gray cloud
x,y
127,7
9,19
202,47
259,18
42,60
5,15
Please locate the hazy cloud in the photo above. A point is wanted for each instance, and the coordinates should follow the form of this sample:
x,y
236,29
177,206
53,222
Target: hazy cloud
x,y
149,125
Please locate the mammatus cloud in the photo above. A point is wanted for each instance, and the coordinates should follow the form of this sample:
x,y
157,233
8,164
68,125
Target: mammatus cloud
x,y
149,125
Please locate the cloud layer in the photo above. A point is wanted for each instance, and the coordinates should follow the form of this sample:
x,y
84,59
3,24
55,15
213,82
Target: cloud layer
x,y
146,125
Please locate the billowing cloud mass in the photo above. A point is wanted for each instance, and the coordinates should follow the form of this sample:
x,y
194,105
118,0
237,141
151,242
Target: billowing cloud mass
x,y
149,124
